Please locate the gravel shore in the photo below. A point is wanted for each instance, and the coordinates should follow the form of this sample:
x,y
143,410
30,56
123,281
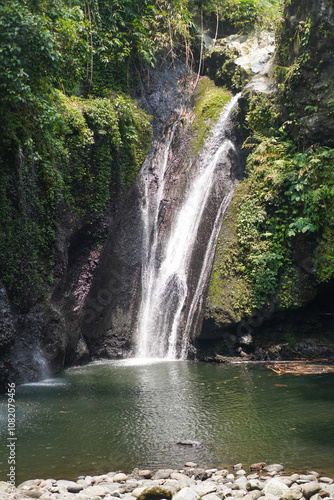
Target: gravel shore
x,y
261,481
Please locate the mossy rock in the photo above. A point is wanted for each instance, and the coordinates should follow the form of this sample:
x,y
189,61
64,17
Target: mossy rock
x,y
229,297
155,493
209,103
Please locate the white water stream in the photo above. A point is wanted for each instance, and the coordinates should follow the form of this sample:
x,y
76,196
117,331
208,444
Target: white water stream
x,y
162,331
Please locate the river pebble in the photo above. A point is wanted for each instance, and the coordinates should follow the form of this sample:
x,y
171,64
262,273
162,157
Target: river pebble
x,y
190,483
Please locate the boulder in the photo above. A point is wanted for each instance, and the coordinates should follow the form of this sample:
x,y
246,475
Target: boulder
x,y
155,493
310,489
275,487
186,494
273,468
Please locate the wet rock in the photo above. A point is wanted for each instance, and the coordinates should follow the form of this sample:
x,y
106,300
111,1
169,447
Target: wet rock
x,y
258,466
189,443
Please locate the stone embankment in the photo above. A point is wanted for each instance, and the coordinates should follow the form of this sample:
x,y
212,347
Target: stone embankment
x,y
264,482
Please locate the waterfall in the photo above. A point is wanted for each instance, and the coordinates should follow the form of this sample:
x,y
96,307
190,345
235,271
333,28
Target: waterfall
x,y
168,307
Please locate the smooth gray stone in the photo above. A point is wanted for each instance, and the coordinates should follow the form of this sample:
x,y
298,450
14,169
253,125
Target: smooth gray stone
x,y
313,473
30,482
205,488
211,496
120,477
310,489
147,474
163,474
273,468
254,484
186,494
275,487
329,488
240,483
292,494
71,486
308,477
253,495
285,480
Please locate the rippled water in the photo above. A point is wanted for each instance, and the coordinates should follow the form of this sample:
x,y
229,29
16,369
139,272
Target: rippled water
x,y
121,415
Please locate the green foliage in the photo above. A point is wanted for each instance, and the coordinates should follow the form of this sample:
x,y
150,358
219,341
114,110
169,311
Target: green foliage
x,y
58,153
128,33
242,15
290,194
42,45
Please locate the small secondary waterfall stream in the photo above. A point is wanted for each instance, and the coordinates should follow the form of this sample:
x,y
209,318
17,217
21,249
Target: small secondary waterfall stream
x,y
168,308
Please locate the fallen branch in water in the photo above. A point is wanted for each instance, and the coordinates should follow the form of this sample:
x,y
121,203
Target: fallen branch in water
x,y
300,368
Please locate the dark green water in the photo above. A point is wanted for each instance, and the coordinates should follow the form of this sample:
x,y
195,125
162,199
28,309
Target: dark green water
x,y
114,416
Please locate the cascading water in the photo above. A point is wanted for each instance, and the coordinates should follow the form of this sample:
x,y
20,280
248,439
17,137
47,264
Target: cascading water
x,y
167,309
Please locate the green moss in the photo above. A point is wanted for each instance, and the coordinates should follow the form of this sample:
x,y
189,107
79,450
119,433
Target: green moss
x,y
90,156
209,103
229,297
325,253
155,493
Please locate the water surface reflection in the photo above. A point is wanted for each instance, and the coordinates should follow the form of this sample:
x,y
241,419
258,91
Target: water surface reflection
x,y
125,414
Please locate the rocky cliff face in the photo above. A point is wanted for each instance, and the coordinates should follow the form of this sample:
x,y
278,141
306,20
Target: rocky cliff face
x,y
304,68
305,63
111,309
40,339
40,325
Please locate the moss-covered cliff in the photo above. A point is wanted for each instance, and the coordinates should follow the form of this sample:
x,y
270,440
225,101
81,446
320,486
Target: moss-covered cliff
x,y
274,262
72,141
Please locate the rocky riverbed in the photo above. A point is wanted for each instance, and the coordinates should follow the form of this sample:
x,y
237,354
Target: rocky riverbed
x,y
261,481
